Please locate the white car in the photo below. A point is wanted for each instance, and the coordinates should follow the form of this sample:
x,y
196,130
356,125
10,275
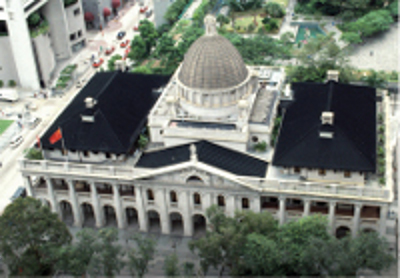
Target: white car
x,y
16,141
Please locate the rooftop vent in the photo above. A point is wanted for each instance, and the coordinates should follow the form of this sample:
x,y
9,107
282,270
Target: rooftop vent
x,y
332,75
90,102
327,117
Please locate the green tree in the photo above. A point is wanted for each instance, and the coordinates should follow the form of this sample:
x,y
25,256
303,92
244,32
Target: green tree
x,y
148,33
274,9
351,37
171,266
108,258
140,258
222,19
375,79
112,60
144,70
34,153
75,258
165,46
12,83
30,237
234,6
139,50
174,11
34,20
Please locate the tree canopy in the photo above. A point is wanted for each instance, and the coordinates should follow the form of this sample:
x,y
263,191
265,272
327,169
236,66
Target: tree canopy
x,y
252,244
30,236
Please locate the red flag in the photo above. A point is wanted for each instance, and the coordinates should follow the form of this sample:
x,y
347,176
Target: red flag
x,y
38,141
56,136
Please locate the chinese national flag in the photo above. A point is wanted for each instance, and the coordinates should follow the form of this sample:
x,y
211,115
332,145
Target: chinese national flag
x,y
56,136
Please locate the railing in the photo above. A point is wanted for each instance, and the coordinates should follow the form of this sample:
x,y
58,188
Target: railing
x,y
84,194
62,192
129,198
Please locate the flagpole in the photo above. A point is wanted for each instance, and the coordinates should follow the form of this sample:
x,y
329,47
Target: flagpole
x,y
63,145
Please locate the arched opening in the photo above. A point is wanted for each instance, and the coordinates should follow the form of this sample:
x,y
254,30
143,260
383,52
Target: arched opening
x,y
342,231
221,201
176,223
67,214
199,225
132,218
173,197
197,199
150,195
194,179
245,203
154,222
89,219
109,216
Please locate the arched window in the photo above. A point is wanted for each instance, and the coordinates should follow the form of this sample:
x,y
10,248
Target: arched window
x,y
150,195
221,201
173,197
194,179
245,203
197,199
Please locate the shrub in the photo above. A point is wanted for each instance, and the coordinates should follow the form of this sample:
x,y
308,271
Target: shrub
x,y
251,27
261,146
34,153
1,83
275,10
12,83
394,75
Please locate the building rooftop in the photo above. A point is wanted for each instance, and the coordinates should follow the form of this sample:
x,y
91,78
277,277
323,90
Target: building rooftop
x,y
121,104
348,144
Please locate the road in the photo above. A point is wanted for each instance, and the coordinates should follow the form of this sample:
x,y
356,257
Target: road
x,y
48,109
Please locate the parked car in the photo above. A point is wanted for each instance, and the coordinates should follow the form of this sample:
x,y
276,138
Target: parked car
x,y
136,28
125,43
143,10
16,141
121,35
110,50
34,122
9,94
98,63
149,13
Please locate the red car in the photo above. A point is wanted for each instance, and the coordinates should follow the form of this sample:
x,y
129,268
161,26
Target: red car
x,y
98,63
110,50
143,10
124,43
136,28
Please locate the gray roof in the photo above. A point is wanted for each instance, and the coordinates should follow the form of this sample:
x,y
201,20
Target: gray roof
x,y
212,62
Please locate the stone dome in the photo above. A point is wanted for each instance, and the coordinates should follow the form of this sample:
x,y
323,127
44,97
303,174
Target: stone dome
x,y
212,62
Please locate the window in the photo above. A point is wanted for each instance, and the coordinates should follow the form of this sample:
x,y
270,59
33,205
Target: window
x,y
347,174
245,203
85,153
77,11
197,199
297,170
79,33
108,155
72,37
173,197
221,201
322,172
254,139
150,195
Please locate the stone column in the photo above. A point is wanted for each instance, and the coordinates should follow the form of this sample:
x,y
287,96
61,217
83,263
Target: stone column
x,y
256,204
118,207
331,217
164,217
282,210
75,205
356,219
230,205
98,213
52,196
307,204
187,214
382,220
28,185
140,206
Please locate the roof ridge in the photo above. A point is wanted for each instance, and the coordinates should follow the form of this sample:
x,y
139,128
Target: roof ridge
x,y
108,123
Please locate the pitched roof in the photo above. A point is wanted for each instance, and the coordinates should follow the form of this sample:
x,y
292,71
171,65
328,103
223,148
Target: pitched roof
x,y
123,103
353,146
217,156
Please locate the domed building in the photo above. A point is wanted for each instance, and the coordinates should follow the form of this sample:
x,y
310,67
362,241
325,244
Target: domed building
x,y
213,95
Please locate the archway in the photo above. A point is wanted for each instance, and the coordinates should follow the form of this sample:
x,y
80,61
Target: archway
x,y
109,216
199,225
89,219
176,221
67,214
342,231
132,218
154,222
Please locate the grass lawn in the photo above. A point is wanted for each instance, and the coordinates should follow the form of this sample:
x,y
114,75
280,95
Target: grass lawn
x,y
4,124
243,20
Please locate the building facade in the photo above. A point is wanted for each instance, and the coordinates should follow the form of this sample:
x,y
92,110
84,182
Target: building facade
x,y
203,129
29,55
